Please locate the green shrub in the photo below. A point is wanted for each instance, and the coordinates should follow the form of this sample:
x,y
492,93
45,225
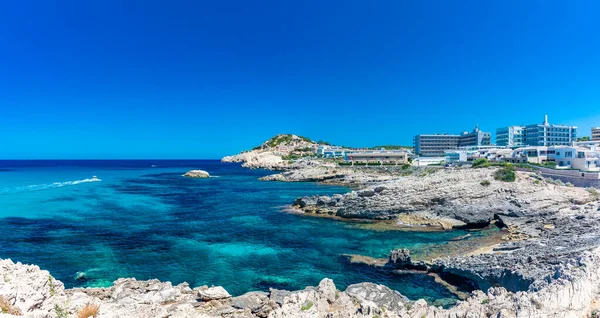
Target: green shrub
x,y
485,183
307,306
290,157
52,288
549,164
485,301
60,311
305,149
481,162
506,174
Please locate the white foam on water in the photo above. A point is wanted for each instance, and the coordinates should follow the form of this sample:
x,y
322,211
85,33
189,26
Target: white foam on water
x,y
38,187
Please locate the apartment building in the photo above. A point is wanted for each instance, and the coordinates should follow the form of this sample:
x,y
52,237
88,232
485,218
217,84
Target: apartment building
x,y
511,136
596,133
546,134
437,145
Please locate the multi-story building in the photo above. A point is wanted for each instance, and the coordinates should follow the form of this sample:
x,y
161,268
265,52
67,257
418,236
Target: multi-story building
x,y
580,158
511,136
437,145
596,133
474,138
545,134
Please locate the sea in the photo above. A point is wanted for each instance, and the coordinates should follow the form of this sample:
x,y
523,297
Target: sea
x,y
143,219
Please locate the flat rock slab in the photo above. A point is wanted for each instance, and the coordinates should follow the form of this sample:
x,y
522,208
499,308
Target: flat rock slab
x,y
213,293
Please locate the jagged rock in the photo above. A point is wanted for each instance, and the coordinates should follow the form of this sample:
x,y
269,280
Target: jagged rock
x,y
196,174
257,303
568,292
400,258
323,201
213,293
278,295
381,296
455,195
328,290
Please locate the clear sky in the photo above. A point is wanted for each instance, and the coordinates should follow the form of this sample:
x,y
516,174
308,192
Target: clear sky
x,y
202,79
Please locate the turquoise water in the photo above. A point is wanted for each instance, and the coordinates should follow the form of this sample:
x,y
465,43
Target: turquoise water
x,y
144,220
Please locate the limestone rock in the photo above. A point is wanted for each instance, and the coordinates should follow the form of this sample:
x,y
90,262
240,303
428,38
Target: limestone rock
x,y
380,295
213,293
197,174
400,258
270,155
453,195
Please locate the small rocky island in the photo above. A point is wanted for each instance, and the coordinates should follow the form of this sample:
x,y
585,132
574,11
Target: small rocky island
x,y
197,174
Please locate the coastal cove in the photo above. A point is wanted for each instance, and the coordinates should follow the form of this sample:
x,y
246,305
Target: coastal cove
x,y
145,220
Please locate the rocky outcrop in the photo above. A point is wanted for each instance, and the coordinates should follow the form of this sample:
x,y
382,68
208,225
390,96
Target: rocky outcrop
x,y
273,154
316,171
569,292
196,174
400,258
454,195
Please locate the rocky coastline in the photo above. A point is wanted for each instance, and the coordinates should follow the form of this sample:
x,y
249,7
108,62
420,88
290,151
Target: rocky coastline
x,y
546,265
570,290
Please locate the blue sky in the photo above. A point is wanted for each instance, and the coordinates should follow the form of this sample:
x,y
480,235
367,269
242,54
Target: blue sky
x,y
202,79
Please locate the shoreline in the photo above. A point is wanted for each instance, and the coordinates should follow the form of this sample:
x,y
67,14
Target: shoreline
x,y
545,264
537,218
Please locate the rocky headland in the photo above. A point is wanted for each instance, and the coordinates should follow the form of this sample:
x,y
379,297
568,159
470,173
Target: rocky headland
x,y
275,153
463,197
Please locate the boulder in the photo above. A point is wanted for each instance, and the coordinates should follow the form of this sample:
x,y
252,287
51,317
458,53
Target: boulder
x,y
400,258
196,174
253,301
380,295
213,293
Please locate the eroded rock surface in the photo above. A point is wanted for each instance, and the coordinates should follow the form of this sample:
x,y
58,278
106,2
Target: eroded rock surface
x,y
273,153
570,291
453,195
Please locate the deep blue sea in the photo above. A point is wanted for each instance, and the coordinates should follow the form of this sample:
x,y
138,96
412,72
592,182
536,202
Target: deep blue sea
x,y
145,220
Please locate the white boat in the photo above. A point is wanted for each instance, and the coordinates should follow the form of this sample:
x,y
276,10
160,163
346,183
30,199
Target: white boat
x,y
95,178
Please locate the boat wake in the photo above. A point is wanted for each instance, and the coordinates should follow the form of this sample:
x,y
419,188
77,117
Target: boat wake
x,y
38,187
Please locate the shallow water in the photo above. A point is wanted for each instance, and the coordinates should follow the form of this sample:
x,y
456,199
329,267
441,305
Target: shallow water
x,y
144,220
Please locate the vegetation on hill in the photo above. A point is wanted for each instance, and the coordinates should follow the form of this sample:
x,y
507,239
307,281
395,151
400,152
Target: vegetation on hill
x,y
481,162
282,139
506,174
584,138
